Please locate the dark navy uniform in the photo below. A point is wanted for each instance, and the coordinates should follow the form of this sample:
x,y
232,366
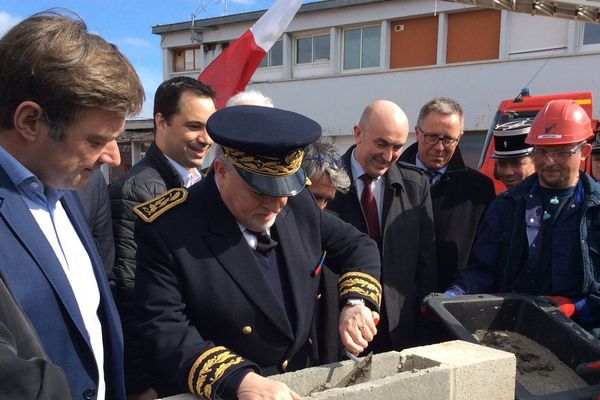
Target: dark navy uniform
x,y
207,307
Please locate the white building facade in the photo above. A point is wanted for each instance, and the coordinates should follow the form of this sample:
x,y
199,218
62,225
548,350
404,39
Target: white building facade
x,y
337,56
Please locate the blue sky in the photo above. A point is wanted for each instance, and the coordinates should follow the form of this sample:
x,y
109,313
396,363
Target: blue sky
x,y
128,24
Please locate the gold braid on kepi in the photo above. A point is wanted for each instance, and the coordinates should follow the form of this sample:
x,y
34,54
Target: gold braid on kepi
x,y
360,285
265,165
265,146
209,368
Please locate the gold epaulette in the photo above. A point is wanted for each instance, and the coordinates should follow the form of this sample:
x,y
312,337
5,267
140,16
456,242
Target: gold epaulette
x,y
209,368
359,284
154,208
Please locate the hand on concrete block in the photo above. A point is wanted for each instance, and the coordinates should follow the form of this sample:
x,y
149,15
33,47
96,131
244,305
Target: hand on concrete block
x,y
357,327
256,387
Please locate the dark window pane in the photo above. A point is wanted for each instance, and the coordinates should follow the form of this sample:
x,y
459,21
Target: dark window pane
x,y
321,47
304,50
370,47
591,34
352,49
179,60
277,53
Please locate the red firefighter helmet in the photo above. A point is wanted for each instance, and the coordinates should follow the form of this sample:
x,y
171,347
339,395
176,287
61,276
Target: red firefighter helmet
x,y
560,122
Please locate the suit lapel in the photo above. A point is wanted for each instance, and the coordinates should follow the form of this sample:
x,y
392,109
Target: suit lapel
x,y
392,182
350,210
232,251
16,214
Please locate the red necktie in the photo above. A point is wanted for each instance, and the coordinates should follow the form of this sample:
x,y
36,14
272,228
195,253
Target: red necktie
x,y
369,206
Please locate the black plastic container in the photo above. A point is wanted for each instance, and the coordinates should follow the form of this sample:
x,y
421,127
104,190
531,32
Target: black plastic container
x,y
543,323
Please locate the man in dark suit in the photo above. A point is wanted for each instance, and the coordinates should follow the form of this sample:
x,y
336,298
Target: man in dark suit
x,y
459,194
65,95
391,202
228,276
182,106
96,206
25,371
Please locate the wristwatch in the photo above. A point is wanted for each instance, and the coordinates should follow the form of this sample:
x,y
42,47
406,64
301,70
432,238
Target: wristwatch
x,y
355,302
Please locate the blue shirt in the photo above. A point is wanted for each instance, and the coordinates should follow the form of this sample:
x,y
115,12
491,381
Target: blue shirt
x,y
46,208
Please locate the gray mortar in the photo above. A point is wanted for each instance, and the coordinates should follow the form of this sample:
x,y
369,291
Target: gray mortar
x,y
307,383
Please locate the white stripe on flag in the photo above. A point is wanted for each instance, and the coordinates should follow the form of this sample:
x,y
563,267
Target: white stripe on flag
x,y
272,24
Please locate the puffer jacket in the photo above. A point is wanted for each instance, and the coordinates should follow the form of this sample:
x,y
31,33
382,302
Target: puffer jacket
x,y
150,177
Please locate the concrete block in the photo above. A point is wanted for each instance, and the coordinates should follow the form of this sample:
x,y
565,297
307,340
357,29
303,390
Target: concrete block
x,y
454,370
479,372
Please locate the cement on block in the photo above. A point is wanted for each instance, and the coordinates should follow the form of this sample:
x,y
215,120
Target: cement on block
x,y
384,365
431,384
454,370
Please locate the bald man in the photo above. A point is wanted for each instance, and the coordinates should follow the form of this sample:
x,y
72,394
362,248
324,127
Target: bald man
x,y
390,201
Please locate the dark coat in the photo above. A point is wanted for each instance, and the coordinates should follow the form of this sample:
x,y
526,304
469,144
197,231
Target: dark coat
x,y
459,201
408,245
509,243
200,291
25,371
150,177
96,205
38,282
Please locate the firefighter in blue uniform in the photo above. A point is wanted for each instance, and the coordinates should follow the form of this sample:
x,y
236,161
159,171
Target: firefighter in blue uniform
x,y
228,270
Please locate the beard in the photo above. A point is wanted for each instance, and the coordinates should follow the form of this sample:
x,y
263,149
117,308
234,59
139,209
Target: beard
x,y
554,183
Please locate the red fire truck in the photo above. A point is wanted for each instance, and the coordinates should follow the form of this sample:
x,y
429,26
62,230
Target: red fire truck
x,y
526,106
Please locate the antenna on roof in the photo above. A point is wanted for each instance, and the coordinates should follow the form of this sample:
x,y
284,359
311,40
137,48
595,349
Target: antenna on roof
x,y
196,34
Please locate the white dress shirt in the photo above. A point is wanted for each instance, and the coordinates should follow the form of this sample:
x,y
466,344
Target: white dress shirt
x,y
189,176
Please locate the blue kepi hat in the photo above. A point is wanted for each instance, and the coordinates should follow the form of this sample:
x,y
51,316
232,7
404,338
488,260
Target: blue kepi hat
x,y
265,145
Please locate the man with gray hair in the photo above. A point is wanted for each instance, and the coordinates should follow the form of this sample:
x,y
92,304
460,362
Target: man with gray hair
x,y
250,98
459,194
324,167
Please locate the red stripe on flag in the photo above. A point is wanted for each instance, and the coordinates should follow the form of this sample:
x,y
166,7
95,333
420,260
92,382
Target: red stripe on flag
x,y
231,71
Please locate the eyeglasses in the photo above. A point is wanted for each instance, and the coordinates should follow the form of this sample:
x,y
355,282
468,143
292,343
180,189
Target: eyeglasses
x,y
435,138
328,158
563,155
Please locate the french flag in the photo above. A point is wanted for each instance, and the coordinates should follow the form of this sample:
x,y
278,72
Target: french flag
x,y
231,71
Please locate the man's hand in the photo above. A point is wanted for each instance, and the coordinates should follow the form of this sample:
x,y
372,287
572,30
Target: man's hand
x,y
256,387
357,327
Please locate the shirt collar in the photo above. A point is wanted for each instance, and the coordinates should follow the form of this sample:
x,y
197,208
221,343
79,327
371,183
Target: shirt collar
x,y
422,166
189,177
357,169
28,184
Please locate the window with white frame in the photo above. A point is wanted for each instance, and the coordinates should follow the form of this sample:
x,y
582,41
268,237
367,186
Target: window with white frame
x,y
591,34
312,49
361,47
186,59
274,56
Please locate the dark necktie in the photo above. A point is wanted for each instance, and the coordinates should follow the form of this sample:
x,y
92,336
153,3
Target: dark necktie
x,y
264,242
431,175
369,206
